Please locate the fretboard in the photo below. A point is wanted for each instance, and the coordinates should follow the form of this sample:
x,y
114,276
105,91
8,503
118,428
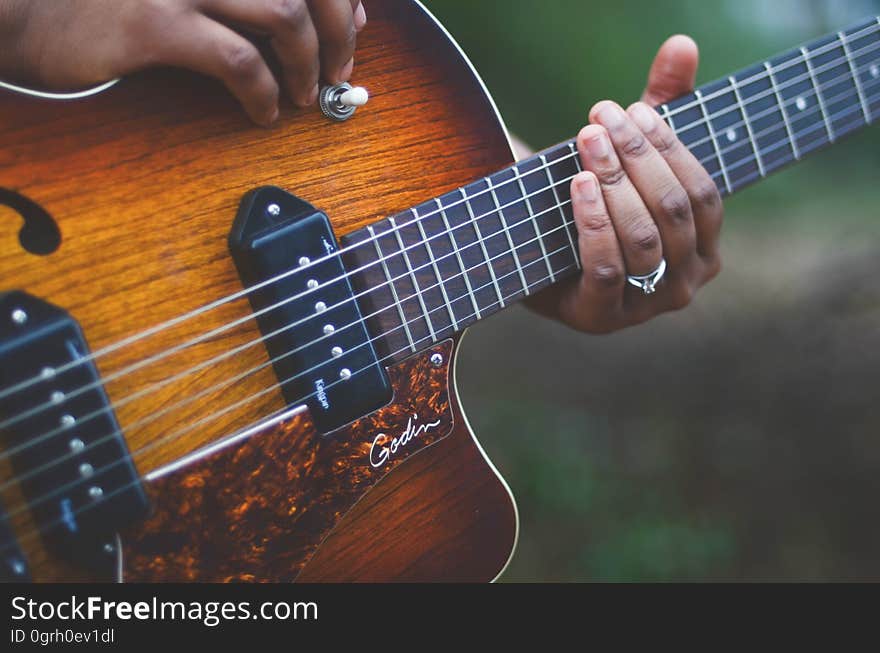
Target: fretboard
x,y
429,272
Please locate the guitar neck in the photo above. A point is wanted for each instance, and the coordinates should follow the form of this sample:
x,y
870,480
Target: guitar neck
x,y
437,268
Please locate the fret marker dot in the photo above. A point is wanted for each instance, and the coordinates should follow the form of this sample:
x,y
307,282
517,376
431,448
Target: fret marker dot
x,y
328,329
345,374
320,307
875,71
336,351
304,260
311,284
731,135
800,103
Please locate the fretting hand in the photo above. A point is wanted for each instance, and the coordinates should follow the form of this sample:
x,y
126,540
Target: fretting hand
x,y
642,198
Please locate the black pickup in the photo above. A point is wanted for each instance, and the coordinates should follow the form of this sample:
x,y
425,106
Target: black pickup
x,y
67,450
314,333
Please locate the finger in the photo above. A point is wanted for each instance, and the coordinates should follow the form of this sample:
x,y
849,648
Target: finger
x,y
360,17
293,34
635,228
654,180
206,46
673,71
598,299
702,192
334,20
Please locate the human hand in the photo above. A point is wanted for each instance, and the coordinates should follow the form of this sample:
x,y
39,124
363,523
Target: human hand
x,y
76,43
642,196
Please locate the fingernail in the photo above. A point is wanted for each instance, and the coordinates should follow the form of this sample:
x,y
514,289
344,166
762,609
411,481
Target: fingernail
x,y
611,115
311,98
597,146
645,118
587,188
345,73
273,116
360,17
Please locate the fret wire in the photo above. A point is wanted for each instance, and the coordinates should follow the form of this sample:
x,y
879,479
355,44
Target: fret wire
x,y
454,245
815,84
546,167
506,228
436,269
159,327
668,117
702,105
479,231
858,82
409,337
748,125
415,281
560,182
534,222
785,119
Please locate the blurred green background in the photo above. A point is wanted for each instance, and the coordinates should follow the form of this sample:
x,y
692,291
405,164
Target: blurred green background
x,y
740,438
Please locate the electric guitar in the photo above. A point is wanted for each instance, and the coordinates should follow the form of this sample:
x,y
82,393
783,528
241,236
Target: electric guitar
x,y
228,353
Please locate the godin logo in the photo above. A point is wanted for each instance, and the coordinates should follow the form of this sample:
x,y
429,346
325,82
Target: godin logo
x,y
321,394
381,450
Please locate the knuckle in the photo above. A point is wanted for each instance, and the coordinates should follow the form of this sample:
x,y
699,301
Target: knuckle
x,y
713,268
680,296
706,194
645,238
611,176
676,204
595,222
242,60
289,13
665,142
607,275
635,145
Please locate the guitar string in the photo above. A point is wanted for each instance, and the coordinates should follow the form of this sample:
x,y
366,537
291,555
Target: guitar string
x,y
153,416
44,528
179,433
863,32
145,362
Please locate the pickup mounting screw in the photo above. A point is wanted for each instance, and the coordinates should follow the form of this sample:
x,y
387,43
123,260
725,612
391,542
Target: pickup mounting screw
x,y
86,470
336,351
76,445
109,548
57,397
19,316
345,374
320,307
328,329
437,359
67,421
304,261
311,284
274,210
96,492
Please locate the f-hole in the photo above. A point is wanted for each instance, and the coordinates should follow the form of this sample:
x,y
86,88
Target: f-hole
x,y
40,234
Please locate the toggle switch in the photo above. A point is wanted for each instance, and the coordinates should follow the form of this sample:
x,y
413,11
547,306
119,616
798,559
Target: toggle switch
x,y
339,102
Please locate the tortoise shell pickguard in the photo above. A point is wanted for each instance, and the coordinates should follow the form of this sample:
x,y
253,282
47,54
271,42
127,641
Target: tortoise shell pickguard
x,y
258,509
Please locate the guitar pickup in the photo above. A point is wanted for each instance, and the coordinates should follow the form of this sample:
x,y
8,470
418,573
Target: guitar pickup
x,y
306,309
60,433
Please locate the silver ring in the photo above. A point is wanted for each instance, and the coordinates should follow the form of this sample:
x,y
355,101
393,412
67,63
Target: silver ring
x,y
648,282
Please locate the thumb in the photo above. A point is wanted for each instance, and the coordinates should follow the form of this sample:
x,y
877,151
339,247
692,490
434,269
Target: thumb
x,y
673,72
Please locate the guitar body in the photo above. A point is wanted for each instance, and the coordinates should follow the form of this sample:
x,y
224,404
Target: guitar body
x,y
143,182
